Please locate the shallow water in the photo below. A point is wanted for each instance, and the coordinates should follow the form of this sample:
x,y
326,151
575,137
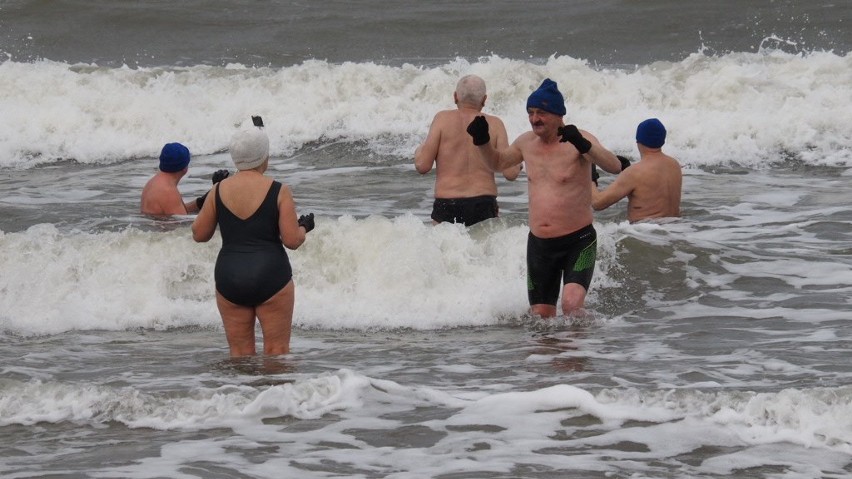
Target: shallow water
x,y
715,345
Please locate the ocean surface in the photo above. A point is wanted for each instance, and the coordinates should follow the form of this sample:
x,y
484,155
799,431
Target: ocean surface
x,y
715,345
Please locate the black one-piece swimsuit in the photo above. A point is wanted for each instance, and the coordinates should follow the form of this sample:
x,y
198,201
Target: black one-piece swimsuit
x,y
252,265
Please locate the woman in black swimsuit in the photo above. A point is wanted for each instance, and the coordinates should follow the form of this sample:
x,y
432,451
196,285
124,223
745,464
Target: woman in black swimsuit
x,y
255,215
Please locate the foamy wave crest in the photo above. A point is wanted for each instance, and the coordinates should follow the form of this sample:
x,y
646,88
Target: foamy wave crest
x,y
374,273
381,273
60,281
809,417
745,108
38,401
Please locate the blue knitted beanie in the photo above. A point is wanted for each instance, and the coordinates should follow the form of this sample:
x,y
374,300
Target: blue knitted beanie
x,y
174,157
651,133
547,98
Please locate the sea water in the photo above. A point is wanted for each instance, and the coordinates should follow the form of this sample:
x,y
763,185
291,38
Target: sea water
x,y
715,345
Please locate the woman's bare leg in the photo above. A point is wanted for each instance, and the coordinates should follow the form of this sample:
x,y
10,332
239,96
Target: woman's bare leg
x,y
239,326
276,320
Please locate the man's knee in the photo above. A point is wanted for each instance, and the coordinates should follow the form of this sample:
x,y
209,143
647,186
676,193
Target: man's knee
x,y
573,298
543,310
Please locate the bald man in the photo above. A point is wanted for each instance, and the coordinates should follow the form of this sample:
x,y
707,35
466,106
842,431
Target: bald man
x,y
465,189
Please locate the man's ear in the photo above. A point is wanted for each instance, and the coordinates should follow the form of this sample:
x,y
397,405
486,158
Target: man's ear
x,y
483,100
455,98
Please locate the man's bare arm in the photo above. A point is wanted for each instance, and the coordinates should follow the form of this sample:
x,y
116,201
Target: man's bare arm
x,y
496,160
588,145
426,153
191,206
512,173
601,156
618,189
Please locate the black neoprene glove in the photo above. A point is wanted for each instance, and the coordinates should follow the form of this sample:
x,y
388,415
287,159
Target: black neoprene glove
x,y
478,129
218,176
307,222
595,174
625,162
572,135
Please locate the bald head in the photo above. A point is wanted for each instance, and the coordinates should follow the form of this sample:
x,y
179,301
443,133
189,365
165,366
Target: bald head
x,y
471,89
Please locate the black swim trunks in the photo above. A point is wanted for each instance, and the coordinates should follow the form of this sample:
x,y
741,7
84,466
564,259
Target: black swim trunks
x,y
464,210
570,258
252,265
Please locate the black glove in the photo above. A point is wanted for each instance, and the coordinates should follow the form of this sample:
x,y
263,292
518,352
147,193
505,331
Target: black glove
x,y
595,174
571,134
478,129
217,177
625,162
220,175
307,222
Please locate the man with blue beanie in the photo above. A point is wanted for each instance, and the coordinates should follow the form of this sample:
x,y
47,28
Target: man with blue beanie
x,y
160,196
653,185
548,98
558,158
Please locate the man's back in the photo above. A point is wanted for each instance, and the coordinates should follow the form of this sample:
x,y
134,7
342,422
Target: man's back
x,y
657,189
160,196
652,186
465,189
460,173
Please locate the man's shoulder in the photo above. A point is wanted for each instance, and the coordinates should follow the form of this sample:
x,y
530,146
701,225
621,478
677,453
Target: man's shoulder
x,y
673,162
443,114
156,182
493,119
660,162
527,137
444,118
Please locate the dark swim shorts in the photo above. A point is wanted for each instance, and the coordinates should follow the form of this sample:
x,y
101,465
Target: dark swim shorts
x,y
464,210
570,258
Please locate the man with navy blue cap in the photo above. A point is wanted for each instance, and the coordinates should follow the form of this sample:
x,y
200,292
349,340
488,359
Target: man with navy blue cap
x,y
160,196
558,158
653,185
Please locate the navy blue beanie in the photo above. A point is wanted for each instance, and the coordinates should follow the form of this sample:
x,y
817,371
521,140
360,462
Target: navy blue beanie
x,y
547,98
651,133
174,157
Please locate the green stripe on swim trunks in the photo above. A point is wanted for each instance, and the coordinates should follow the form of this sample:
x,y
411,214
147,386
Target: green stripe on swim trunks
x,y
586,259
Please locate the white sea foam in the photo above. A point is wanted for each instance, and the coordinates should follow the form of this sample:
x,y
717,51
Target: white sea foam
x,y
742,108
557,426
372,273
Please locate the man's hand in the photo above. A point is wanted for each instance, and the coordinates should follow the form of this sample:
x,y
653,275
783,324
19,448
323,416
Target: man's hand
x,y
220,175
570,134
478,129
217,177
625,162
307,222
